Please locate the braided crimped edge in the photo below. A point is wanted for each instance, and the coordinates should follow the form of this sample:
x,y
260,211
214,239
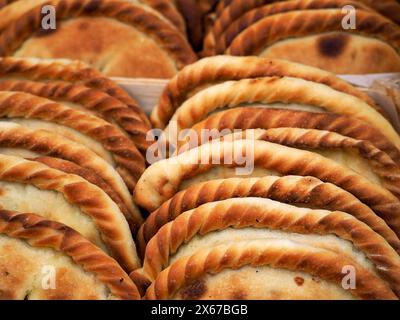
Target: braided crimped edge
x,y
213,70
94,100
265,213
130,162
92,177
310,139
303,191
41,233
54,145
308,22
162,180
90,199
228,30
262,118
318,262
270,90
76,72
166,35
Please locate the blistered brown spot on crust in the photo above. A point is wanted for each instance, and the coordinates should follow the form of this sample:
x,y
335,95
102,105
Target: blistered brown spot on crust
x,y
299,281
2,192
332,45
194,291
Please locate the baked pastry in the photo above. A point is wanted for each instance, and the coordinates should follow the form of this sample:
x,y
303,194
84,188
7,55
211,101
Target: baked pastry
x,y
259,262
86,99
29,243
93,132
76,72
218,222
30,143
154,49
29,186
320,33
236,15
132,216
165,7
276,92
239,15
164,179
214,70
307,192
360,156
253,118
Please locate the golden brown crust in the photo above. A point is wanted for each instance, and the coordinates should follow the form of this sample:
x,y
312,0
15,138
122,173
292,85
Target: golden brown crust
x,y
124,152
92,177
77,72
99,102
166,9
229,12
170,39
162,180
91,200
308,22
214,70
283,92
264,213
254,118
41,233
227,35
321,263
310,139
42,142
304,191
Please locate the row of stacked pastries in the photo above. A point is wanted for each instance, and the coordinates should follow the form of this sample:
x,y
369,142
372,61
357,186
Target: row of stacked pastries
x,y
319,33
157,38
71,153
323,195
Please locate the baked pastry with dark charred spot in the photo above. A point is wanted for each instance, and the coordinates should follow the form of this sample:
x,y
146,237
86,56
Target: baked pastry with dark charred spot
x,y
372,47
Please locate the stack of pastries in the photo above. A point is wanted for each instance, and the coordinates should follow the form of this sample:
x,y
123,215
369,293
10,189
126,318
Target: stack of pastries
x,y
321,202
341,36
271,179
157,38
125,38
72,147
